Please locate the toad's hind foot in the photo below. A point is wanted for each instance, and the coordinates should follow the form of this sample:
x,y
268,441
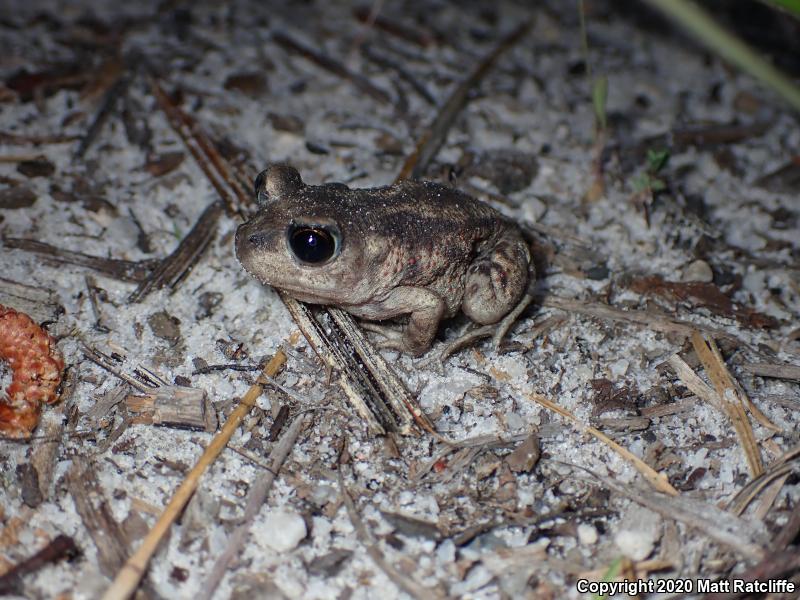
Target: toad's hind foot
x,y
393,337
501,328
497,331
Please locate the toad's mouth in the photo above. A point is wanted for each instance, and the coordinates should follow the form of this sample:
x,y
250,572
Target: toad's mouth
x,y
316,295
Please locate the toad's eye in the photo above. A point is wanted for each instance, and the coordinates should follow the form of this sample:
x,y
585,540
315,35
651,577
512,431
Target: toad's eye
x,y
313,245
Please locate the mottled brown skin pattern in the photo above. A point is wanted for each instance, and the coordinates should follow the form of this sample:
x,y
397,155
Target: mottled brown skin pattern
x,y
414,248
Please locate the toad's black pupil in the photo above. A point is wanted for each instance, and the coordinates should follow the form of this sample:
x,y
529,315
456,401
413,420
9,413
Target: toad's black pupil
x,y
312,245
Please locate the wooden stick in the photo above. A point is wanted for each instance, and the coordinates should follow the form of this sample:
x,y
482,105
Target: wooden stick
x,y
118,87
232,190
774,370
124,270
387,63
91,505
656,479
649,319
693,382
370,384
171,270
325,61
405,583
784,464
39,303
7,137
434,136
743,537
255,500
127,579
730,399
58,548
399,400
370,16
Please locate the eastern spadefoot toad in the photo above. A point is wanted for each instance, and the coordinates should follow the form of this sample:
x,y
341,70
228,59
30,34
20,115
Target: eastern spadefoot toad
x,y
415,249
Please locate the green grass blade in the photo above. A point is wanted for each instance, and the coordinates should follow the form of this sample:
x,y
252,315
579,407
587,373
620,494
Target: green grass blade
x,y
699,22
599,98
790,6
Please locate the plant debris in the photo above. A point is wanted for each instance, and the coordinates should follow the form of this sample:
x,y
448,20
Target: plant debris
x,y
37,368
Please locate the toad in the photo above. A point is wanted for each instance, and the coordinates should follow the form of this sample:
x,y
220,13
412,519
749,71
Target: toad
x,y
416,250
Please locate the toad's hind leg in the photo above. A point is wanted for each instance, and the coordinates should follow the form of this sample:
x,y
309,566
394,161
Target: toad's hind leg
x,y
490,296
501,329
497,280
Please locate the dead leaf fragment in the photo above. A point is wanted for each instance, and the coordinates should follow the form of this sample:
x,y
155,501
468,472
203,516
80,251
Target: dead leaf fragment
x,y
701,295
37,167
18,196
162,164
165,326
525,456
249,84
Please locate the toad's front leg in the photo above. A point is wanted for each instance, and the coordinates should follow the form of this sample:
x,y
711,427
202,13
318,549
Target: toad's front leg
x,y
425,309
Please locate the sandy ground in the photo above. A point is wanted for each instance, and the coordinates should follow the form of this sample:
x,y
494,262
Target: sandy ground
x,y
528,136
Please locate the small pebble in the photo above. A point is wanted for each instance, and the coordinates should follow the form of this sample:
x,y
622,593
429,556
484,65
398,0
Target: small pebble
x,y
514,421
286,530
322,494
634,544
477,577
641,531
587,534
699,271
618,368
598,273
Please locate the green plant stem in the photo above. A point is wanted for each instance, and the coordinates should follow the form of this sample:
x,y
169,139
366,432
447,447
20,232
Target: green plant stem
x,y
701,24
790,6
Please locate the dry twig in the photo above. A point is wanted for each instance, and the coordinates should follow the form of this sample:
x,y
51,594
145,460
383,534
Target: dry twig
x,y
369,16
117,88
404,582
334,66
127,579
657,480
230,188
39,303
387,63
372,387
124,270
790,461
791,372
170,271
60,547
91,505
255,500
434,136
746,538
647,318
732,400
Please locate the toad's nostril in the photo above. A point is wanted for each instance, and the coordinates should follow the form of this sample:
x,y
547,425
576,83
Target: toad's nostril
x,y
257,239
